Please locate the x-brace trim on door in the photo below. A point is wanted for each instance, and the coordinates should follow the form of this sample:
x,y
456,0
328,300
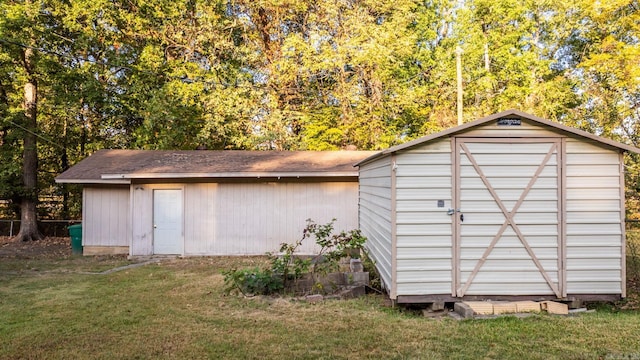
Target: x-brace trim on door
x,y
509,220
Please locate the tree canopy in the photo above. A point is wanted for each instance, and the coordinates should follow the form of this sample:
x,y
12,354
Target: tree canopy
x,y
297,74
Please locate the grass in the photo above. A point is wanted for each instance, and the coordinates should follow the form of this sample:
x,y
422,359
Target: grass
x,y
71,263
176,309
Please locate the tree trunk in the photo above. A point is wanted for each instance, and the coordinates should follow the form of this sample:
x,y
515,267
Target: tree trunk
x,y
64,166
28,214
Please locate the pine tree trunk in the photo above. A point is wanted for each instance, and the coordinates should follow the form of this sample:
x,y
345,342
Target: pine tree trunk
x,y
28,214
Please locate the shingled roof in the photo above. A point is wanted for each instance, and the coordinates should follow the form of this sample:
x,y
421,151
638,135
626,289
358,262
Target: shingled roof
x,y
121,166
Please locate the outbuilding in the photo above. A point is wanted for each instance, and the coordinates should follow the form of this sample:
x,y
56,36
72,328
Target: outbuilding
x,y
141,202
510,206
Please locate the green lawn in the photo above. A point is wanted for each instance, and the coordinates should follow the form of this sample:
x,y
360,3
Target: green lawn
x,y
176,309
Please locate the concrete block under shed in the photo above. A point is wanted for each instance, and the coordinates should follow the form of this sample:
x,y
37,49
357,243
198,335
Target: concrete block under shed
x,y
436,306
467,309
464,310
553,307
480,307
527,306
504,308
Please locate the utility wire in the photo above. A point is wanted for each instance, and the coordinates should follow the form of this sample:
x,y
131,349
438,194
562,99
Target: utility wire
x,y
37,135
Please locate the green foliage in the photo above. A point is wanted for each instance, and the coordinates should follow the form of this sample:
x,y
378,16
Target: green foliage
x,y
323,75
369,265
633,256
333,247
251,282
287,266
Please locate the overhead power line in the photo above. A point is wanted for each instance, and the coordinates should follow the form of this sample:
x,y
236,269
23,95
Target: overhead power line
x,y
36,134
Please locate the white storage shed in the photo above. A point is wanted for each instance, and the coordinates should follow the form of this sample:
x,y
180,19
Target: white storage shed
x,y
140,202
510,206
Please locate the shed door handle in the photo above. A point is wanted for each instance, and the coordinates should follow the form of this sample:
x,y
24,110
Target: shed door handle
x,y
461,217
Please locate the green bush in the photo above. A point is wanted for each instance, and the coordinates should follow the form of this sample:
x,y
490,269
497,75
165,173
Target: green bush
x,y
286,266
251,282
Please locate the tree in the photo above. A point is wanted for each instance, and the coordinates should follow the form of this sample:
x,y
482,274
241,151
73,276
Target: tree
x,y
25,58
295,74
510,61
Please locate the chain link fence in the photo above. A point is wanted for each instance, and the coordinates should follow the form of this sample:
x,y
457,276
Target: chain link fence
x,y
633,250
53,228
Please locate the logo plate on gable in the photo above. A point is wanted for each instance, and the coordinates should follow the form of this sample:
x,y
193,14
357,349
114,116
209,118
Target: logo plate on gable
x,y
509,122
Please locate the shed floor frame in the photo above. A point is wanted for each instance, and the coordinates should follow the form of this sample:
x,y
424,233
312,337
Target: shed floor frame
x,y
418,299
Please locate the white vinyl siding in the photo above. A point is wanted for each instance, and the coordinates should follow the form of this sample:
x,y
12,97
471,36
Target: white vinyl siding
x,y
509,168
248,218
424,233
594,236
375,214
255,218
571,219
526,129
105,216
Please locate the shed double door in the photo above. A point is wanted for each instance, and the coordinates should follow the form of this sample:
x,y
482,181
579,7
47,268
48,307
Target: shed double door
x,y
508,235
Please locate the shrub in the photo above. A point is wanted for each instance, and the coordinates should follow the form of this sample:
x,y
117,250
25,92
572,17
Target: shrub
x,y
286,266
251,282
333,247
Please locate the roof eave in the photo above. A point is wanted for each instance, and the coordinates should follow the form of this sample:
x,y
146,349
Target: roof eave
x,y
94,181
250,175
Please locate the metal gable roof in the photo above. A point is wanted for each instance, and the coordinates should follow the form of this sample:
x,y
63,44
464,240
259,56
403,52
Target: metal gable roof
x,y
490,118
121,166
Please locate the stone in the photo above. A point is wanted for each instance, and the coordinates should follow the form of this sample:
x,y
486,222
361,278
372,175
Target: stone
x,y
575,304
356,278
464,310
356,265
436,306
352,292
314,298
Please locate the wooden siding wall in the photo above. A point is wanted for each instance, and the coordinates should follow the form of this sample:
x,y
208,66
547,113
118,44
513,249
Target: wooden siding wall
x,y
105,214
594,210
424,230
255,218
375,214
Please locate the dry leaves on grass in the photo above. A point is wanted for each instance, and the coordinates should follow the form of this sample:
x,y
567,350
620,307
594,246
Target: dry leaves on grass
x,y
47,248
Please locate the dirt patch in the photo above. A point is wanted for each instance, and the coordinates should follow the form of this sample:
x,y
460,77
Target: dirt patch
x,y
47,248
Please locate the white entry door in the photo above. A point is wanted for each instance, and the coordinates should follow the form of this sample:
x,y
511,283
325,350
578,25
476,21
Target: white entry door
x,y
167,221
508,217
